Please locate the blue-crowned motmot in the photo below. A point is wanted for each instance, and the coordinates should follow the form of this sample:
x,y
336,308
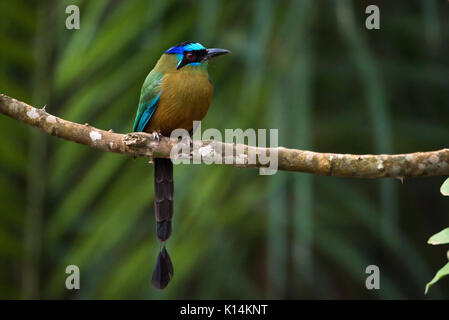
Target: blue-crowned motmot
x,y
175,93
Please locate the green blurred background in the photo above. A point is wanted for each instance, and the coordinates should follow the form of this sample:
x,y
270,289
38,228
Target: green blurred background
x,y
309,68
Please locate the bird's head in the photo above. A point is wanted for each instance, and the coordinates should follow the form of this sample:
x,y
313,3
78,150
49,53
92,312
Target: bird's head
x,y
194,54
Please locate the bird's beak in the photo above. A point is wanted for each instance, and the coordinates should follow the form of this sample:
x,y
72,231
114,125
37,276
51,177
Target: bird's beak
x,y
214,52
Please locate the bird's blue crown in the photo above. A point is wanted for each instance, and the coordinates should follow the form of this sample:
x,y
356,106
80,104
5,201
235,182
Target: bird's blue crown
x,y
185,46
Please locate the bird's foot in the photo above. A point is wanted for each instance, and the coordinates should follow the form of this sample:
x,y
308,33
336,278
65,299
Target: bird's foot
x,y
157,135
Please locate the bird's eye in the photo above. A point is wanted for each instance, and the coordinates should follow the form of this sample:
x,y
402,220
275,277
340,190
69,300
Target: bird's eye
x,y
190,56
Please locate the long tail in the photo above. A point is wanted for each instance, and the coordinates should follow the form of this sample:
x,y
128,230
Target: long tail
x,y
163,211
163,271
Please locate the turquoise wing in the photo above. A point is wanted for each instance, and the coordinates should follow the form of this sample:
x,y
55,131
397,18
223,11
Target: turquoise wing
x,y
149,99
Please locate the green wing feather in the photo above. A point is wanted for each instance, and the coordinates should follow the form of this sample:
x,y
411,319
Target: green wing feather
x,y
149,97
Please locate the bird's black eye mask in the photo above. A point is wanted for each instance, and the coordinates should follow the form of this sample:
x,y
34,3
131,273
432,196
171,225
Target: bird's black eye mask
x,y
194,56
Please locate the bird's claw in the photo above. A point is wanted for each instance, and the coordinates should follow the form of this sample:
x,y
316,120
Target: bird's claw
x,y
157,136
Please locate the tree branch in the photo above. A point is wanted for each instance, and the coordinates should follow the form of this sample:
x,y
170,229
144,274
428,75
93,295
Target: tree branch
x,y
433,163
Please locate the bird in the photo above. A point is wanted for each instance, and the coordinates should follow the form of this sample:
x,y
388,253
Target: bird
x,y
176,92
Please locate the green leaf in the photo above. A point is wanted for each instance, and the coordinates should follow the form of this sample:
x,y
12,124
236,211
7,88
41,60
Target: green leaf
x,y
440,274
441,237
445,188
